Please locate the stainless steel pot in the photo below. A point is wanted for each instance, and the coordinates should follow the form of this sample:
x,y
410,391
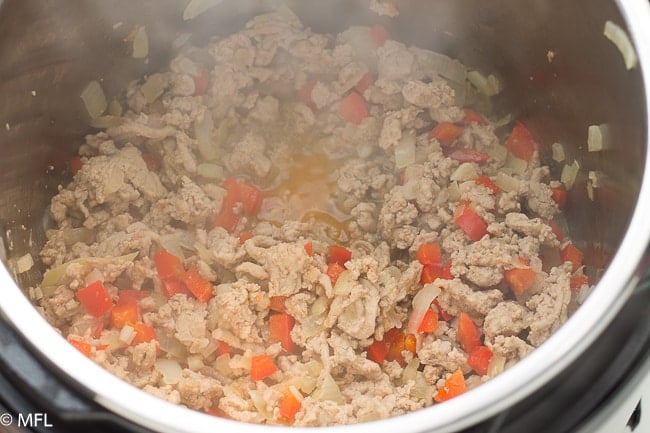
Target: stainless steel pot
x,y
50,49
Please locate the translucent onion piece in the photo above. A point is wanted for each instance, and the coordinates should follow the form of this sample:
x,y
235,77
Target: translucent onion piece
x,y
103,122
195,363
454,191
620,38
466,171
140,44
410,371
405,151
94,275
210,171
569,174
257,397
171,370
328,390
170,344
596,178
343,286
421,303
203,128
506,182
558,152
497,365
127,334
222,364
196,7
153,87
313,368
94,99
53,277
24,263
422,388
518,166
489,86
441,65
599,137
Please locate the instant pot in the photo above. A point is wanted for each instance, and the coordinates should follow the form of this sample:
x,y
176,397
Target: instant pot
x,y
561,75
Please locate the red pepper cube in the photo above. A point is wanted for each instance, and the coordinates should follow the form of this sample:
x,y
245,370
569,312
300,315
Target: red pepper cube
x,y
280,326
520,143
479,359
143,333
446,132
338,254
429,254
469,221
197,284
168,265
352,108
95,298
262,366
468,333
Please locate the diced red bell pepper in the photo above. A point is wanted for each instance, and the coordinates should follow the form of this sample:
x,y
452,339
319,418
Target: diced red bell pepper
x,y
174,286
352,108
277,304
469,221
309,248
226,219
520,279
468,333
468,155
222,348
244,237
472,116
446,132
95,298
280,326
432,272
168,265
486,181
334,271
251,198
429,254
572,254
232,192
305,94
201,82
379,35
123,314
400,343
81,346
75,164
559,196
479,359
262,366
429,322
377,351
197,284
143,333
366,81
577,281
338,254
130,296
453,387
521,143
288,406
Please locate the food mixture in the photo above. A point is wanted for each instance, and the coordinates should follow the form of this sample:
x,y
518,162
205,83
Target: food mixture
x,y
297,228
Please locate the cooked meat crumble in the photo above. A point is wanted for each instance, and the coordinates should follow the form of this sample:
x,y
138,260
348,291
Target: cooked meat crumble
x,y
288,227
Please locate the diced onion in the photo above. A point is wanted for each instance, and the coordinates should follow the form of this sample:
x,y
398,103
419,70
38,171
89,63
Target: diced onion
x,y
422,388
257,397
497,365
94,99
599,138
344,283
405,151
328,390
503,121
153,87
94,275
421,303
140,43
196,7
313,368
569,174
596,178
454,191
489,86
558,152
319,306
518,166
171,370
622,41
170,345
210,171
127,334
590,191
115,108
466,171
410,371
24,263
104,122
203,128
440,64
506,183
222,364
195,363
498,152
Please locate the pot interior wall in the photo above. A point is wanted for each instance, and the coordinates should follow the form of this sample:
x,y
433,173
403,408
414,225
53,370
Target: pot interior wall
x,y
49,50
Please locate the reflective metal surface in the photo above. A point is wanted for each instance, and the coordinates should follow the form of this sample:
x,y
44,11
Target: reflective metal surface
x,y
49,50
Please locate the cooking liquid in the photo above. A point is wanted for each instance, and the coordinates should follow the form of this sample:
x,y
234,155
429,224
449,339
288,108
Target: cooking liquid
x,y
309,190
